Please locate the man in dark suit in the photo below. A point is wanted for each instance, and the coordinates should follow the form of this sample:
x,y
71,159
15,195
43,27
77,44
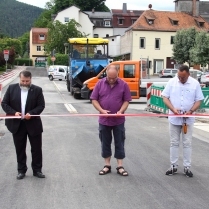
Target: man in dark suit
x,y
25,100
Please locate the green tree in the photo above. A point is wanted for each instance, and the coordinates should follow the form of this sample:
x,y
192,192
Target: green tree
x,y
9,43
24,39
59,34
84,5
200,52
184,41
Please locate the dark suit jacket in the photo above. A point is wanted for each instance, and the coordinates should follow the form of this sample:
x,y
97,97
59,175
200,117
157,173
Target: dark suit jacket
x,y
35,104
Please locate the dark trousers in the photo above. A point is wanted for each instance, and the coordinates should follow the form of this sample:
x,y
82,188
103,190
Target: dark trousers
x,y
20,141
105,135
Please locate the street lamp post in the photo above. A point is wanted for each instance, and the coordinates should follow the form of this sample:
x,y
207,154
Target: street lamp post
x,y
66,45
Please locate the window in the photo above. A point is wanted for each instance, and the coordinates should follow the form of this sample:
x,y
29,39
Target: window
x,y
107,23
142,43
157,43
66,19
120,21
175,22
42,37
133,21
61,70
201,24
38,48
96,35
129,71
172,39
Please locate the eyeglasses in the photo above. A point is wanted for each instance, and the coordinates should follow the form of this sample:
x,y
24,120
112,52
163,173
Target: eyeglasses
x,y
183,78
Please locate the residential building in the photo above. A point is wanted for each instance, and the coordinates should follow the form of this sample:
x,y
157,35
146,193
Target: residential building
x,y
114,46
102,23
38,38
123,19
152,35
80,17
194,7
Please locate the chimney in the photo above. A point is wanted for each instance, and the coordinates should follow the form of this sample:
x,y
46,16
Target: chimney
x,y
93,10
194,8
124,8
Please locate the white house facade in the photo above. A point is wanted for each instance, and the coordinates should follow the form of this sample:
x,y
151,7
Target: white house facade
x,y
82,18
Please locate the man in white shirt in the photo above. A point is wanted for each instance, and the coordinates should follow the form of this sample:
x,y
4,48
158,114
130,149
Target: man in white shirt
x,y
182,95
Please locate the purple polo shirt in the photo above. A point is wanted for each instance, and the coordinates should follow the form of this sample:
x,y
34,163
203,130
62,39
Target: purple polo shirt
x,y
111,99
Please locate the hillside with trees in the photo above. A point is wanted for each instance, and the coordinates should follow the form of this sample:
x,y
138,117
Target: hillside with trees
x,y
16,18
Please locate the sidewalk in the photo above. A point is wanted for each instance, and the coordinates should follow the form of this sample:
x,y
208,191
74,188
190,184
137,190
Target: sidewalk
x,y
9,76
201,126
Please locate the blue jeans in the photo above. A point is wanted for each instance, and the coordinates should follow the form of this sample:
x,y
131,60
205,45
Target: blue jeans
x,y
105,135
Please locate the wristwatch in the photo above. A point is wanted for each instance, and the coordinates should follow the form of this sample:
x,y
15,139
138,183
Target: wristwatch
x,y
191,111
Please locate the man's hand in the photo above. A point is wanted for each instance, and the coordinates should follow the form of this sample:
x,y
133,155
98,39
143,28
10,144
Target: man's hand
x,y
105,112
27,116
188,112
176,111
119,113
17,114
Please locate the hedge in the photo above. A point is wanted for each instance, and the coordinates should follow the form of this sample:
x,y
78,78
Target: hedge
x,y
24,61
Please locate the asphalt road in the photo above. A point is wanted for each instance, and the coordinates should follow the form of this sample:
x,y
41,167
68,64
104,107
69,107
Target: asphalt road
x,y
72,160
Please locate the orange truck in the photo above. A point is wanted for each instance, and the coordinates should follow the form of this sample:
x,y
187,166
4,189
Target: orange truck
x,y
130,71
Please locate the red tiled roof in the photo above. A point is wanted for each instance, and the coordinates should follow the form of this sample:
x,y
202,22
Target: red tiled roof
x,y
163,21
39,30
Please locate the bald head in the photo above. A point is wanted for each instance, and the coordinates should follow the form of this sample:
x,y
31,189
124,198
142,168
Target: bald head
x,y
112,74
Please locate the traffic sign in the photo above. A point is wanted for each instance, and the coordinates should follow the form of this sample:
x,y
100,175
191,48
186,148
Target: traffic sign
x,y
6,55
53,59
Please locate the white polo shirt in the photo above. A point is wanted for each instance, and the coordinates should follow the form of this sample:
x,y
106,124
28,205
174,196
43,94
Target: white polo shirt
x,y
182,97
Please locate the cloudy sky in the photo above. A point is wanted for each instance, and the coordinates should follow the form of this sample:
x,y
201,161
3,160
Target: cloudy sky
x,y
116,4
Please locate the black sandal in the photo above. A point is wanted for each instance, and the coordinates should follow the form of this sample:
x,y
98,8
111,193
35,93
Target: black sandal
x,y
102,172
123,173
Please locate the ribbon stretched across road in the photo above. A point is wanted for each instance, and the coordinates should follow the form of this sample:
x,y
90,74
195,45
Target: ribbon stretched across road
x,y
113,115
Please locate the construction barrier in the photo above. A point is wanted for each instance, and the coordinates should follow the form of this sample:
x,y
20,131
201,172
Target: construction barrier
x,y
148,92
157,104
156,100
205,102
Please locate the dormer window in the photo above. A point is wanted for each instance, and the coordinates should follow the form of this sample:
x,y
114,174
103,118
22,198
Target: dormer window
x,y
107,23
120,20
200,23
133,20
41,37
150,20
174,22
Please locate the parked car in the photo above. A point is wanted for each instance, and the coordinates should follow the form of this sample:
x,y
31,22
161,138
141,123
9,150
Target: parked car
x,y
57,72
168,73
205,79
196,73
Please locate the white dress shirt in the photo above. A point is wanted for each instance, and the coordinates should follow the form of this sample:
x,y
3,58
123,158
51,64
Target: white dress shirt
x,y
182,97
24,95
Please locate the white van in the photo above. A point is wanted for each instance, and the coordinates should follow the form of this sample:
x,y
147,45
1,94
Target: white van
x,y
57,72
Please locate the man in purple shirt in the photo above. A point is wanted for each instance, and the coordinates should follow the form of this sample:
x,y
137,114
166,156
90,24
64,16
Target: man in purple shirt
x,y
111,95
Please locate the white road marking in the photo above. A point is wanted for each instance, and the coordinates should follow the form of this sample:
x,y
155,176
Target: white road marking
x,y
56,86
70,108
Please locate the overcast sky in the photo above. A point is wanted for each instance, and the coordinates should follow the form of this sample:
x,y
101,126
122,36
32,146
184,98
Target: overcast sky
x,y
116,4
